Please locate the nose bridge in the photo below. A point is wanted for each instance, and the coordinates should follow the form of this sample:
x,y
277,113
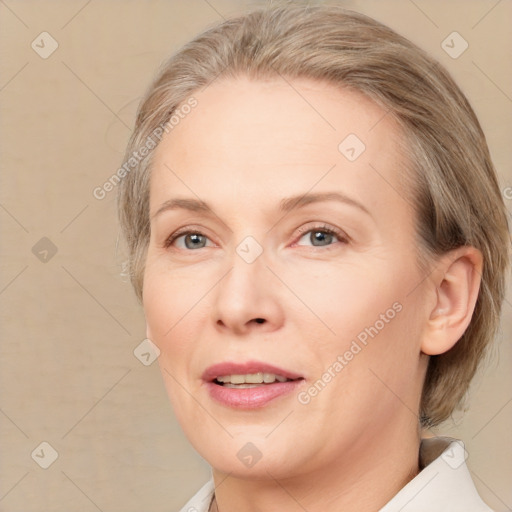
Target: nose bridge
x,y
246,274
245,293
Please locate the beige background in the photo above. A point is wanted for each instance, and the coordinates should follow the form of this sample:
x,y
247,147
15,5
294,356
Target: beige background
x,y
70,324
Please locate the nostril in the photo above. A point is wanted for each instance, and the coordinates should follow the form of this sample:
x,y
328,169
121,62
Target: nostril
x,y
260,320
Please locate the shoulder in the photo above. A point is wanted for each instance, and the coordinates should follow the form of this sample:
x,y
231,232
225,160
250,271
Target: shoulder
x,y
200,502
444,483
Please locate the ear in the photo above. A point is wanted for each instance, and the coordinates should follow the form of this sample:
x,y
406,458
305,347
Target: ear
x,y
456,280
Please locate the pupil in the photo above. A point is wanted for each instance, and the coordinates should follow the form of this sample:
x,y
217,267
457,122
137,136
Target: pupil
x,y
322,237
194,238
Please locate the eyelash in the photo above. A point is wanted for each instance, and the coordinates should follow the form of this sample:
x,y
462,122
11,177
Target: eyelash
x,y
342,237
185,231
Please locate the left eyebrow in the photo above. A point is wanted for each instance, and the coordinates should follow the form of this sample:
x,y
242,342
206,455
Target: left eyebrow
x,y
285,205
301,200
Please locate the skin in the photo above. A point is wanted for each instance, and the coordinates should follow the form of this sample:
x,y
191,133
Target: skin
x,y
244,148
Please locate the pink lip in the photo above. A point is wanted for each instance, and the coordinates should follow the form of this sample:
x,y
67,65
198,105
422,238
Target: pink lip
x,y
249,398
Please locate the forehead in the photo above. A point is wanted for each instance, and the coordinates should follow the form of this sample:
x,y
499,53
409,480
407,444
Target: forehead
x,y
251,140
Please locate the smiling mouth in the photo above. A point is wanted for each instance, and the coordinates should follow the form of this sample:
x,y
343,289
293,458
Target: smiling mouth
x,y
250,380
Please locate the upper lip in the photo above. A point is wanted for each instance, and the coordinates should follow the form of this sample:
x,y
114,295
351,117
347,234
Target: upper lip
x,y
248,367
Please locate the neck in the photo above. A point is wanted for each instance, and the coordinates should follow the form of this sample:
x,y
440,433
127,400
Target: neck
x,y
360,481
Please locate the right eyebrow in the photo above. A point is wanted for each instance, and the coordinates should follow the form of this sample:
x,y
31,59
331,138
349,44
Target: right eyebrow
x,y
193,205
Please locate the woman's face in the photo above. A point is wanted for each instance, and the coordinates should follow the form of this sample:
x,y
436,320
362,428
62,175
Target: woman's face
x,y
301,264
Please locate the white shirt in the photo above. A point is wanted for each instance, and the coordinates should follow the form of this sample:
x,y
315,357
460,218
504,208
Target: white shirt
x,y
444,483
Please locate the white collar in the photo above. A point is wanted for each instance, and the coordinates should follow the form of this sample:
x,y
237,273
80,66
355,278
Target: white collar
x,y
443,485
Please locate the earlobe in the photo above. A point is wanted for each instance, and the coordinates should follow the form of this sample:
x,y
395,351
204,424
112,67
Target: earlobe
x,y
457,281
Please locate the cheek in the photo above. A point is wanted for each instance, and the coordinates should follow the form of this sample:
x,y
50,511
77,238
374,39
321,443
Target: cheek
x,y
383,356
374,330
345,299
167,305
168,311
371,368
169,293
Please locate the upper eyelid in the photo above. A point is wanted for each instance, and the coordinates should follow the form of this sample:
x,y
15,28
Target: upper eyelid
x,y
324,227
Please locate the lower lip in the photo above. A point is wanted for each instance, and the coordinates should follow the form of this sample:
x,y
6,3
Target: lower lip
x,y
251,398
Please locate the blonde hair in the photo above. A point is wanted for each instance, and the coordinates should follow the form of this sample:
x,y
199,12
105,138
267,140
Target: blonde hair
x,y
453,183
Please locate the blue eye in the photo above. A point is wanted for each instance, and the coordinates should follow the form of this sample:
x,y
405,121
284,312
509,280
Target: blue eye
x,y
320,237
192,240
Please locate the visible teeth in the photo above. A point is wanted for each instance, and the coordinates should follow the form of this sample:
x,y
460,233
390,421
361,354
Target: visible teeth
x,y
251,378
240,386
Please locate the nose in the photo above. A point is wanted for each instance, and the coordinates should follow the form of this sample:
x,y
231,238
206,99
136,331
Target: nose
x,y
249,298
